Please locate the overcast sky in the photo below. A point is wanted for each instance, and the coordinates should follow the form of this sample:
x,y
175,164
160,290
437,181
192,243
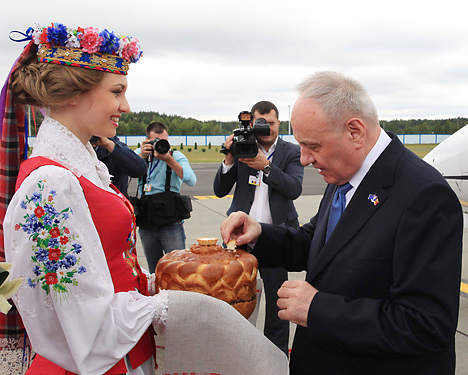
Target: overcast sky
x,y
211,59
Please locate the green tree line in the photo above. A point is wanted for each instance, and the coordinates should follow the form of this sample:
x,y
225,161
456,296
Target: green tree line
x,y
135,123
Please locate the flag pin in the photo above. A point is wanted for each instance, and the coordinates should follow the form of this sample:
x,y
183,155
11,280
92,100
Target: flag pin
x,y
374,199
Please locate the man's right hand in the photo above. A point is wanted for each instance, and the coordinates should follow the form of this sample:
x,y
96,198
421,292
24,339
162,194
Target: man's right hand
x,y
146,149
241,227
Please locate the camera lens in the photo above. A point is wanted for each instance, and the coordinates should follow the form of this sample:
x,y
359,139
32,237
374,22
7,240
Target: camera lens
x,y
261,127
161,146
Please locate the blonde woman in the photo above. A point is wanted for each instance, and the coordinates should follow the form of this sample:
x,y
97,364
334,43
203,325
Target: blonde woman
x,y
86,304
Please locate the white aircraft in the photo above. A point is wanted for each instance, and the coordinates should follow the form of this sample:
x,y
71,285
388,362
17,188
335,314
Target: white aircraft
x,y
450,158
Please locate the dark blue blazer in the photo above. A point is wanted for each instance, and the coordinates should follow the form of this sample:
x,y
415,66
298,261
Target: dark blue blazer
x,y
284,184
388,277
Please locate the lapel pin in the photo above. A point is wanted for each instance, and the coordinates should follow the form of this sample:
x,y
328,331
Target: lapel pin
x,y
374,199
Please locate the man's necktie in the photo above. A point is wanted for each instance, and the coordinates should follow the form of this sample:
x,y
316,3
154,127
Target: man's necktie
x,y
337,207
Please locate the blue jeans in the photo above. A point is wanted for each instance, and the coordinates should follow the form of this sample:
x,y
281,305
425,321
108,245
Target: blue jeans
x,y
157,242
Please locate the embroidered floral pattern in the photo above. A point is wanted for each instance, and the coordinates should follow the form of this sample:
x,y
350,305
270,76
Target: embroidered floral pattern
x,y
55,249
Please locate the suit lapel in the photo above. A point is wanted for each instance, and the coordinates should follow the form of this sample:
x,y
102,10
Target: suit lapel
x,y
359,210
277,157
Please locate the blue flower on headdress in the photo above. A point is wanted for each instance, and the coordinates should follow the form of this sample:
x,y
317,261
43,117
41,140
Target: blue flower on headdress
x,y
57,35
137,56
110,43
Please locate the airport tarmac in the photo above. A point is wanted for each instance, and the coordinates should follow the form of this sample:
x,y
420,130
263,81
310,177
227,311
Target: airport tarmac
x,y
210,211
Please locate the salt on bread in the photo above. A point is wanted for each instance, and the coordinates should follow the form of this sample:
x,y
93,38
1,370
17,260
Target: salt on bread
x,y
207,268
232,245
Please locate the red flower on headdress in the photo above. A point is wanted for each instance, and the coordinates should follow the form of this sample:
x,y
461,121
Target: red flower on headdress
x,y
130,49
43,38
90,40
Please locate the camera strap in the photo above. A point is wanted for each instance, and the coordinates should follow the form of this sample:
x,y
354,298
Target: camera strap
x,y
168,179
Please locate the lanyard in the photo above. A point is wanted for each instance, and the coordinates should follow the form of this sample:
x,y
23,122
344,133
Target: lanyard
x,y
152,168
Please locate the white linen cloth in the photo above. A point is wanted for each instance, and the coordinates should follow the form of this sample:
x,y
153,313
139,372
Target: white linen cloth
x,y
205,335
89,328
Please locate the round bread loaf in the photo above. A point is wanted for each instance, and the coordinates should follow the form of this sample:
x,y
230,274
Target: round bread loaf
x,y
207,268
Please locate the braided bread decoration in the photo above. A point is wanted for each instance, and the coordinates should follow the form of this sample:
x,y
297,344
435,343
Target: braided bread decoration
x,y
207,268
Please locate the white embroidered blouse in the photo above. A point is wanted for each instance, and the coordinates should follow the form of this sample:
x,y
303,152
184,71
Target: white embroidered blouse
x,y
86,328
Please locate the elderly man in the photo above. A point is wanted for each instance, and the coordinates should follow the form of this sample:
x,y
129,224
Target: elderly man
x,y
381,293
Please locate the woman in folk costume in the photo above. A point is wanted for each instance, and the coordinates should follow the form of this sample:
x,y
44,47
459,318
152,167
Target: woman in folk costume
x,y
86,304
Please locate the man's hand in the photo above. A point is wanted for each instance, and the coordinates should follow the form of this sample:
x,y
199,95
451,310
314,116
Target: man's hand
x,y
258,162
229,158
146,149
295,297
105,142
239,226
164,157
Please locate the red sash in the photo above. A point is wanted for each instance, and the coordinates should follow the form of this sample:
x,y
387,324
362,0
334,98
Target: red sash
x,y
113,217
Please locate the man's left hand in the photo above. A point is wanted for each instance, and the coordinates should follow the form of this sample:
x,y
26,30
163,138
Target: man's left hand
x,y
295,297
258,162
164,157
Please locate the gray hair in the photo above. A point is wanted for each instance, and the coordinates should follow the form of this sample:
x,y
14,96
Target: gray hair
x,y
339,97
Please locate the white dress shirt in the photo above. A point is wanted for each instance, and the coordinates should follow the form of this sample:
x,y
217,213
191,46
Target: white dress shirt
x,y
379,147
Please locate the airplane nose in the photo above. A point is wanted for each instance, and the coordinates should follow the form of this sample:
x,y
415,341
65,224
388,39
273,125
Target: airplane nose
x,y
450,158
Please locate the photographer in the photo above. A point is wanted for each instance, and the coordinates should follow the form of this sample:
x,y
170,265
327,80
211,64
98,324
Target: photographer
x,y
120,160
162,239
266,186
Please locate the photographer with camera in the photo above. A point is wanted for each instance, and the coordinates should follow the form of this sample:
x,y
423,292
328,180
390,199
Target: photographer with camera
x,y
120,160
268,176
160,239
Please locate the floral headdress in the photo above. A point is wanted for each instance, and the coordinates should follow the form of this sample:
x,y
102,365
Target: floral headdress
x,y
85,48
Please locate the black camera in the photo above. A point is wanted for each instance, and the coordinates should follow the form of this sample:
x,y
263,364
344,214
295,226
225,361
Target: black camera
x,y
244,144
94,140
161,146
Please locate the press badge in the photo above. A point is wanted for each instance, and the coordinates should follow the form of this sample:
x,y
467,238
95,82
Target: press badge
x,y
254,180
147,188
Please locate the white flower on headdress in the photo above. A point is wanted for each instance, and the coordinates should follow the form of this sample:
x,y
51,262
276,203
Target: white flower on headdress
x,y
72,41
36,35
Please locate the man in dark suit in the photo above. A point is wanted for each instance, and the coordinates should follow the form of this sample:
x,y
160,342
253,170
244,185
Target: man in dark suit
x,y
381,295
266,186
